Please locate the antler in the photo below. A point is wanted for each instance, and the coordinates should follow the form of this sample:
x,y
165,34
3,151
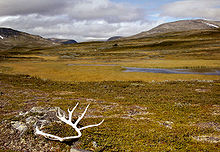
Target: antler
x,y
68,121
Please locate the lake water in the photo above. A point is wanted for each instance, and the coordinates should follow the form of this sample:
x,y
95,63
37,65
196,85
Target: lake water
x,y
154,70
169,71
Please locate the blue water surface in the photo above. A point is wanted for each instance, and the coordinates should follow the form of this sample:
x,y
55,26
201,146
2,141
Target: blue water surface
x,y
169,71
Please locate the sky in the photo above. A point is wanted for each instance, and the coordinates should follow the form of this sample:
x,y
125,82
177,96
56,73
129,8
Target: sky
x,y
86,20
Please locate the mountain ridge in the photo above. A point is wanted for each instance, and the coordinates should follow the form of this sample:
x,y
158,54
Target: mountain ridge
x,y
114,38
63,41
178,26
10,38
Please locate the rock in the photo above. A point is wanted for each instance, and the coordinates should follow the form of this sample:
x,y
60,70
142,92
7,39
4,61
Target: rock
x,y
42,123
67,57
20,126
23,113
31,120
211,139
38,110
202,90
26,122
213,125
45,116
77,150
74,150
40,116
95,145
137,84
45,110
91,100
167,124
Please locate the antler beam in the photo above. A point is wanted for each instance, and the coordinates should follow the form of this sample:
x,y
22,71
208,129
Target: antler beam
x,y
68,121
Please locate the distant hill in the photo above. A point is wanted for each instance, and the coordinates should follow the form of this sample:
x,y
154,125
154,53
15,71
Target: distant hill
x,y
179,26
114,38
10,38
62,41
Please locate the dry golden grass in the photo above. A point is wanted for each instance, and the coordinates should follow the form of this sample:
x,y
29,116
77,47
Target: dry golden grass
x,y
39,56
60,71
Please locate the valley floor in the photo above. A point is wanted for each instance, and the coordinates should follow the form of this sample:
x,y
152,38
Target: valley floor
x,y
141,111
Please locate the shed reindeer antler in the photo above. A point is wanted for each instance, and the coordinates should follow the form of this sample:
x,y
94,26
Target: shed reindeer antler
x,y
68,121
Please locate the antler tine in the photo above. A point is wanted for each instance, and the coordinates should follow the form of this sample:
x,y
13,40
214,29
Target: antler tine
x,y
71,112
49,136
92,125
59,115
80,118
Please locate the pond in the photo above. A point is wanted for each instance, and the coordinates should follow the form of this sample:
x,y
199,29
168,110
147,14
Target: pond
x,y
170,71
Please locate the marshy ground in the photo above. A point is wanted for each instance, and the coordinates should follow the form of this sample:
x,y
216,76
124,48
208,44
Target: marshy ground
x,y
142,111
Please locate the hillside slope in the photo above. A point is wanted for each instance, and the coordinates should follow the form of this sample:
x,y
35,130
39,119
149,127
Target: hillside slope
x,y
114,38
179,26
10,39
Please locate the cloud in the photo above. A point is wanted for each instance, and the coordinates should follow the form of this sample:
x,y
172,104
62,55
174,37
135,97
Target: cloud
x,y
104,9
207,9
74,9
75,19
96,19
80,30
26,7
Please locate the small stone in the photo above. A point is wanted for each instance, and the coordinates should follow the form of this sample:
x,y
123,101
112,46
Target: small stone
x,y
45,110
20,126
22,141
43,123
95,145
167,124
31,120
201,90
74,150
23,113
38,110
91,100
204,138
12,132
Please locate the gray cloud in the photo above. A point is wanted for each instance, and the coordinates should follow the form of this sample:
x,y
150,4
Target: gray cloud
x,y
208,9
104,9
25,7
63,27
74,9
75,19
95,19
